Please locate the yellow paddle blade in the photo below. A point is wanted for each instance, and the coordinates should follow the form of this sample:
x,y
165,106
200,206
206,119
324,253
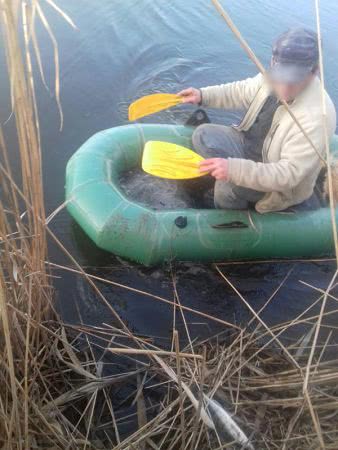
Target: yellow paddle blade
x,y
150,104
173,161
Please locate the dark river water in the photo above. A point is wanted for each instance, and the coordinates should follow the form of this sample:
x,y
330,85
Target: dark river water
x,y
122,50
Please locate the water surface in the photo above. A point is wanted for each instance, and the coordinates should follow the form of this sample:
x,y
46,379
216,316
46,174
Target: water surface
x,y
121,51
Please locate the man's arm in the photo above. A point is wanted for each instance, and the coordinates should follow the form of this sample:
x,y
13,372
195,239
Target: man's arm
x,y
236,95
298,159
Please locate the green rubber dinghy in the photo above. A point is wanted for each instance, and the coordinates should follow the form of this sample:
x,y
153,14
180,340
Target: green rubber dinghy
x,y
130,230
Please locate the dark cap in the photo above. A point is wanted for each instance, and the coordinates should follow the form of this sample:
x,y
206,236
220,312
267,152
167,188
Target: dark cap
x,y
294,55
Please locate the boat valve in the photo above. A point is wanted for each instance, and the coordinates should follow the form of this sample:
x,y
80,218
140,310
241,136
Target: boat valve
x,y
181,221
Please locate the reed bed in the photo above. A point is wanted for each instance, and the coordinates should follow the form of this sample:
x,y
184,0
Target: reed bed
x,y
106,393
67,387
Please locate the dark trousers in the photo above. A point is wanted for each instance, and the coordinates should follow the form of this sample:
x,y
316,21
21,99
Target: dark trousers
x,y
219,141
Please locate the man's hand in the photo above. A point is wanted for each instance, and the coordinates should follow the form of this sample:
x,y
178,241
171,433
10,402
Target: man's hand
x,y
217,167
191,95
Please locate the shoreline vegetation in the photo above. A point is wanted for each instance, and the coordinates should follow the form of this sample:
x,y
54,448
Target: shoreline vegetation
x,y
75,387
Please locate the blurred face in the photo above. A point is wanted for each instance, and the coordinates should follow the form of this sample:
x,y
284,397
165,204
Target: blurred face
x,y
289,91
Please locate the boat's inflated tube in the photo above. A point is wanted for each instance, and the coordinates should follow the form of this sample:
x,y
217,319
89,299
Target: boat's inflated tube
x,y
121,226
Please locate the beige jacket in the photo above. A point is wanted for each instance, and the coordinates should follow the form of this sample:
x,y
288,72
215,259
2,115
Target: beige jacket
x,y
290,164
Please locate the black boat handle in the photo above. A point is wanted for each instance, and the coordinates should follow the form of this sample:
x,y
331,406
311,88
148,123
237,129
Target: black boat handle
x,y
230,225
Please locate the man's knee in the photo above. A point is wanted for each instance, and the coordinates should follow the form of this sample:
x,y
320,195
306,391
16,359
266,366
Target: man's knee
x,y
220,141
198,140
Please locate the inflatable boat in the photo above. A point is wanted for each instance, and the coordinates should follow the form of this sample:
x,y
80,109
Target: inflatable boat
x,y
121,226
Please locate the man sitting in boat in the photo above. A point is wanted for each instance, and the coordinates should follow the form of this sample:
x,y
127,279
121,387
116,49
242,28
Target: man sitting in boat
x,y
267,160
